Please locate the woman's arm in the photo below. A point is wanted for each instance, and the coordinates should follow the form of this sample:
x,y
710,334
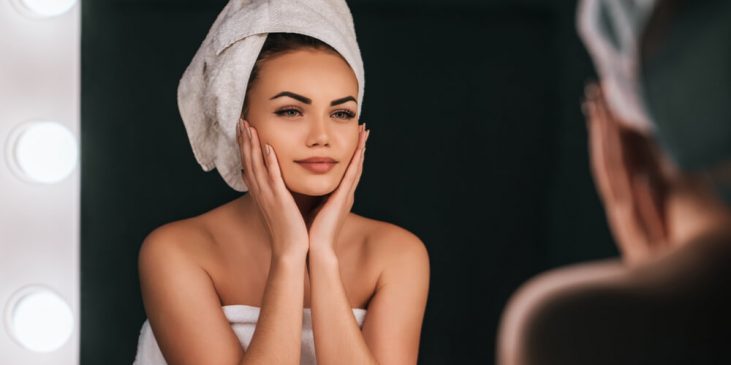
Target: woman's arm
x,y
182,303
393,323
185,313
392,327
277,339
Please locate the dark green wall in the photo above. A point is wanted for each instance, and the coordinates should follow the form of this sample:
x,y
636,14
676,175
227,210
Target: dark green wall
x,y
478,147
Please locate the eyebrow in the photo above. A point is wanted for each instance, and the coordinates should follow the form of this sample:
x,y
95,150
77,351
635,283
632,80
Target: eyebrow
x,y
292,95
342,100
308,101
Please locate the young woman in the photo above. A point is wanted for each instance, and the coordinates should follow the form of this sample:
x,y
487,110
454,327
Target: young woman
x,y
286,274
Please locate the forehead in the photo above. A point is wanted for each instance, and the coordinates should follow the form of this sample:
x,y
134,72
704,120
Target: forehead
x,y
311,72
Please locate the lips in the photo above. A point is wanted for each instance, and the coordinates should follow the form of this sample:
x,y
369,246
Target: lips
x,y
318,165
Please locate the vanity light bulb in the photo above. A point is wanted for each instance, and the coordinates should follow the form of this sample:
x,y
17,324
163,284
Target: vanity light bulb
x,y
45,152
45,8
40,320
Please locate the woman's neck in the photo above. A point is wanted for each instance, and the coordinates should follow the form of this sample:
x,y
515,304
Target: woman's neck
x,y
249,208
693,210
306,203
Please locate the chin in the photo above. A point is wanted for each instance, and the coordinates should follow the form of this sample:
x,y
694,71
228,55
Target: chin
x,y
313,186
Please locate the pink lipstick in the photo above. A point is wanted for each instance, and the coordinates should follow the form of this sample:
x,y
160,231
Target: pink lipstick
x,y
318,165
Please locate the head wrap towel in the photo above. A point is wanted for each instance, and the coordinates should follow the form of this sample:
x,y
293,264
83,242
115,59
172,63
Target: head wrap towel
x,y
681,91
212,89
611,32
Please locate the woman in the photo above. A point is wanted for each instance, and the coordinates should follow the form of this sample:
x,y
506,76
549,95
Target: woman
x,y
288,259
660,153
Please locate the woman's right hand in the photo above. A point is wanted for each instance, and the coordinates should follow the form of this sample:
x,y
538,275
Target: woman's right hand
x,y
261,174
626,168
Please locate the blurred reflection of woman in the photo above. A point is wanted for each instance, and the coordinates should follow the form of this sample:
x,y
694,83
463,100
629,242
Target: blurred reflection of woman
x,y
660,152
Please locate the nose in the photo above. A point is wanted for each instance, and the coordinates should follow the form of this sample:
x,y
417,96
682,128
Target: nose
x,y
319,133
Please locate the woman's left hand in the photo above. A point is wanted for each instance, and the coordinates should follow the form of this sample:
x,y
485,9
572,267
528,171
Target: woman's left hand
x,y
327,219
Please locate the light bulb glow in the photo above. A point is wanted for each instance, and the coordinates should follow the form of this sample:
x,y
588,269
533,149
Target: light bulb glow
x,y
39,319
45,8
44,152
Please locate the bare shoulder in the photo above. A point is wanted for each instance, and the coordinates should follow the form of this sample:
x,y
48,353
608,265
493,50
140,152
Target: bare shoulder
x,y
173,249
394,245
182,247
180,299
549,305
559,285
396,311
182,238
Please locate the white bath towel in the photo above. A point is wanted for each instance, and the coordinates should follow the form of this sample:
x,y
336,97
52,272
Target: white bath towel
x,y
243,320
212,88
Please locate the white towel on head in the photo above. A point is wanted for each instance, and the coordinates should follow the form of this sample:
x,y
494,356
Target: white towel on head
x,y
212,88
611,31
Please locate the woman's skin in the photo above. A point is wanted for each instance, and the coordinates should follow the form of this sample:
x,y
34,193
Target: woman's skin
x,y
291,241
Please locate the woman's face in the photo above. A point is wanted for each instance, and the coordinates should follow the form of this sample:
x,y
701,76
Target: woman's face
x,y
304,105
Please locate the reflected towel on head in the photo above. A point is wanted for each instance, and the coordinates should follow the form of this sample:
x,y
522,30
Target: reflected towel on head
x,y
212,89
611,31
678,89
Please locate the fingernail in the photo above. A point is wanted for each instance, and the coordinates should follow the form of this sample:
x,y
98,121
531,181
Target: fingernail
x,y
363,152
368,134
248,130
267,149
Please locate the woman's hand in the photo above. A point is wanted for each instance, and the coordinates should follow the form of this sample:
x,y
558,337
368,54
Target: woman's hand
x,y
327,219
627,172
261,173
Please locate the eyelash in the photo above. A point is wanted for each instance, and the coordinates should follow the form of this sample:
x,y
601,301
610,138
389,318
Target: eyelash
x,y
284,110
348,114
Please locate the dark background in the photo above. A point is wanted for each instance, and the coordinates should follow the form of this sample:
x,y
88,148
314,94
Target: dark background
x,y
479,148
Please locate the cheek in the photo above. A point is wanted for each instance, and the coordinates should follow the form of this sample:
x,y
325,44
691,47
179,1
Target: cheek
x,y
272,133
282,143
345,136
353,142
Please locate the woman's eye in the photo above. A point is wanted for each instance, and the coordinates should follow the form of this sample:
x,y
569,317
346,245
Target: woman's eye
x,y
344,114
288,113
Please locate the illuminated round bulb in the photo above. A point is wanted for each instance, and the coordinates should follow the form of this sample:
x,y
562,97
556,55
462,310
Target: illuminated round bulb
x,y
45,152
45,8
39,319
